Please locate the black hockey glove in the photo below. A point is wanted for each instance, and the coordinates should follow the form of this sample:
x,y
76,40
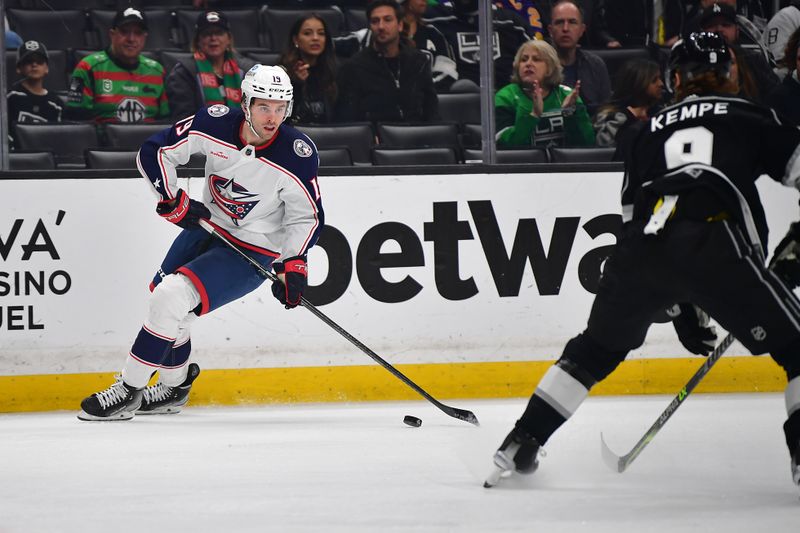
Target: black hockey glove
x,y
785,261
182,210
292,281
691,325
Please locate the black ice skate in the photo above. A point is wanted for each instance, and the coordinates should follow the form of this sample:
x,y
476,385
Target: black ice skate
x,y
518,453
796,465
118,402
161,399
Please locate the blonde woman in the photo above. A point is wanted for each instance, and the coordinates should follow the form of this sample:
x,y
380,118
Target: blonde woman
x,y
535,109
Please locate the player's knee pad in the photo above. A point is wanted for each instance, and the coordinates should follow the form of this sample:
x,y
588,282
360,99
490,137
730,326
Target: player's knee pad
x,y
789,358
588,361
170,303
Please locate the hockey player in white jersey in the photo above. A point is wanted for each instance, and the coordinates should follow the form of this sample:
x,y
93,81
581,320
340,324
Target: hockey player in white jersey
x,y
261,193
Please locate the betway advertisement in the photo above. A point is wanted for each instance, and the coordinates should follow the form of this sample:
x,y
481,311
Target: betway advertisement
x,y
422,269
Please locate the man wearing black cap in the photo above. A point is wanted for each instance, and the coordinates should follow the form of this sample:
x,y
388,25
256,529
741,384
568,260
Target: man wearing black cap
x,y
119,84
28,100
214,73
721,18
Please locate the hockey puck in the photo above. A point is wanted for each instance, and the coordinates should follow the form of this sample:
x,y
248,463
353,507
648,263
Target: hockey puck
x,y
412,421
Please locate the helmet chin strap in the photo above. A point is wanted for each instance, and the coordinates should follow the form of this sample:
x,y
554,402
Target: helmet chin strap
x,y
248,119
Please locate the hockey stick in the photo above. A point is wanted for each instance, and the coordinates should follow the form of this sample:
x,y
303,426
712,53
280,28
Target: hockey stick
x,y
620,463
461,414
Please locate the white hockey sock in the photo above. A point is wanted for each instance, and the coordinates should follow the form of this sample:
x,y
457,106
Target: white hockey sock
x,y
792,396
172,377
136,373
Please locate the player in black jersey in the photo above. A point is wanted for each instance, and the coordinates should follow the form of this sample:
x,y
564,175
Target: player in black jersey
x,y
694,234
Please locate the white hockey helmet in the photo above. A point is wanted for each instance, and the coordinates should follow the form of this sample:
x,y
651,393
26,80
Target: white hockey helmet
x,y
269,83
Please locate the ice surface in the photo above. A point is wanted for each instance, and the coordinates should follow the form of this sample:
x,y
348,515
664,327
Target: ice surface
x,y
720,464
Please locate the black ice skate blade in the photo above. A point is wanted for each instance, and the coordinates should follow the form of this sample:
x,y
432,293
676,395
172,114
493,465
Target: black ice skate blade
x,y
86,417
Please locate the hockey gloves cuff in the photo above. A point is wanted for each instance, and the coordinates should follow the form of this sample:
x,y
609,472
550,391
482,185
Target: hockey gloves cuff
x,y
182,210
785,261
292,281
691,325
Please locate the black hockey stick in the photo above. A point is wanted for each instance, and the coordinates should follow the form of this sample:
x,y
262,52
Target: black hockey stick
x,y
620,463
461,414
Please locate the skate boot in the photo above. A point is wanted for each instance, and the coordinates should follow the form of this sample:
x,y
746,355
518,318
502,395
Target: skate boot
x,y
118,402
796,465
160,399
518,453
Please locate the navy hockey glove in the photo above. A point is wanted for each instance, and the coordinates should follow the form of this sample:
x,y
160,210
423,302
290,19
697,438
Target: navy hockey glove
x,y
785,261
292,281
691,325
182,210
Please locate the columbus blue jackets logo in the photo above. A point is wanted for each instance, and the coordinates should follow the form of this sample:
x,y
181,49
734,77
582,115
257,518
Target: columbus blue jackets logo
x,y
302,148
218,110
232,198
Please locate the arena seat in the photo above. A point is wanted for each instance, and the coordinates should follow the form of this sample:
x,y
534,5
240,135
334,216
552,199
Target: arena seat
x,y
67,140
460,107
335,157
581,155
414,156
111,159
356,136
31,160
521,155
402,135
58,30
131,136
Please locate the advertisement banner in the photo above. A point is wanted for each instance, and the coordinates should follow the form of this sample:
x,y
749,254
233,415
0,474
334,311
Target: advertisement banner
x,y
422,269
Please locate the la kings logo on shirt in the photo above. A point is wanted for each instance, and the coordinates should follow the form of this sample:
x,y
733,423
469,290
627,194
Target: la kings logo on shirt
x,y
130,110
469,46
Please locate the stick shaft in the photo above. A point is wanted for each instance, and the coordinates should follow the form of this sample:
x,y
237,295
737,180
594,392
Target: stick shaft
x,y
451,411
676,402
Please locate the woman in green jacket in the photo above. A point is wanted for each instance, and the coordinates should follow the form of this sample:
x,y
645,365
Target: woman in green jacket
x,y
535,109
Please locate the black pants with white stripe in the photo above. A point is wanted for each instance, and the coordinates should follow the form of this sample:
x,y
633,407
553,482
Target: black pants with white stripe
x,y
711,265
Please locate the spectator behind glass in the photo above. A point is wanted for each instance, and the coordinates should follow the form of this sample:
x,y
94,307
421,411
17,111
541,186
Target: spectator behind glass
x,y
532,11
459,25
389,80
214,73
28,100
535,109
721,18
638,89
566,29
430,42
779,28
310,60
786,98
119,84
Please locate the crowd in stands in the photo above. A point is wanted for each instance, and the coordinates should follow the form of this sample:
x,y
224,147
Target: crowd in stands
x,y
567,73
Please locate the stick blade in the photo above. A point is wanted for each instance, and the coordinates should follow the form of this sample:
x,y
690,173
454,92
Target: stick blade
x,y
466,416
614,461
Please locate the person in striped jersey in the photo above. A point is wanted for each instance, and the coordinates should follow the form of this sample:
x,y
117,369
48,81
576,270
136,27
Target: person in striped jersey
x,y
119,84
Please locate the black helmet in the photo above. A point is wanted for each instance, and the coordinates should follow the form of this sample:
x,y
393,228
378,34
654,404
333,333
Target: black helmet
x,y
698,53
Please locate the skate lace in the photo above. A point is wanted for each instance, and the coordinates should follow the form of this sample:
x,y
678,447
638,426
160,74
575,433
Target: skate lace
x,y
116,393
157,392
